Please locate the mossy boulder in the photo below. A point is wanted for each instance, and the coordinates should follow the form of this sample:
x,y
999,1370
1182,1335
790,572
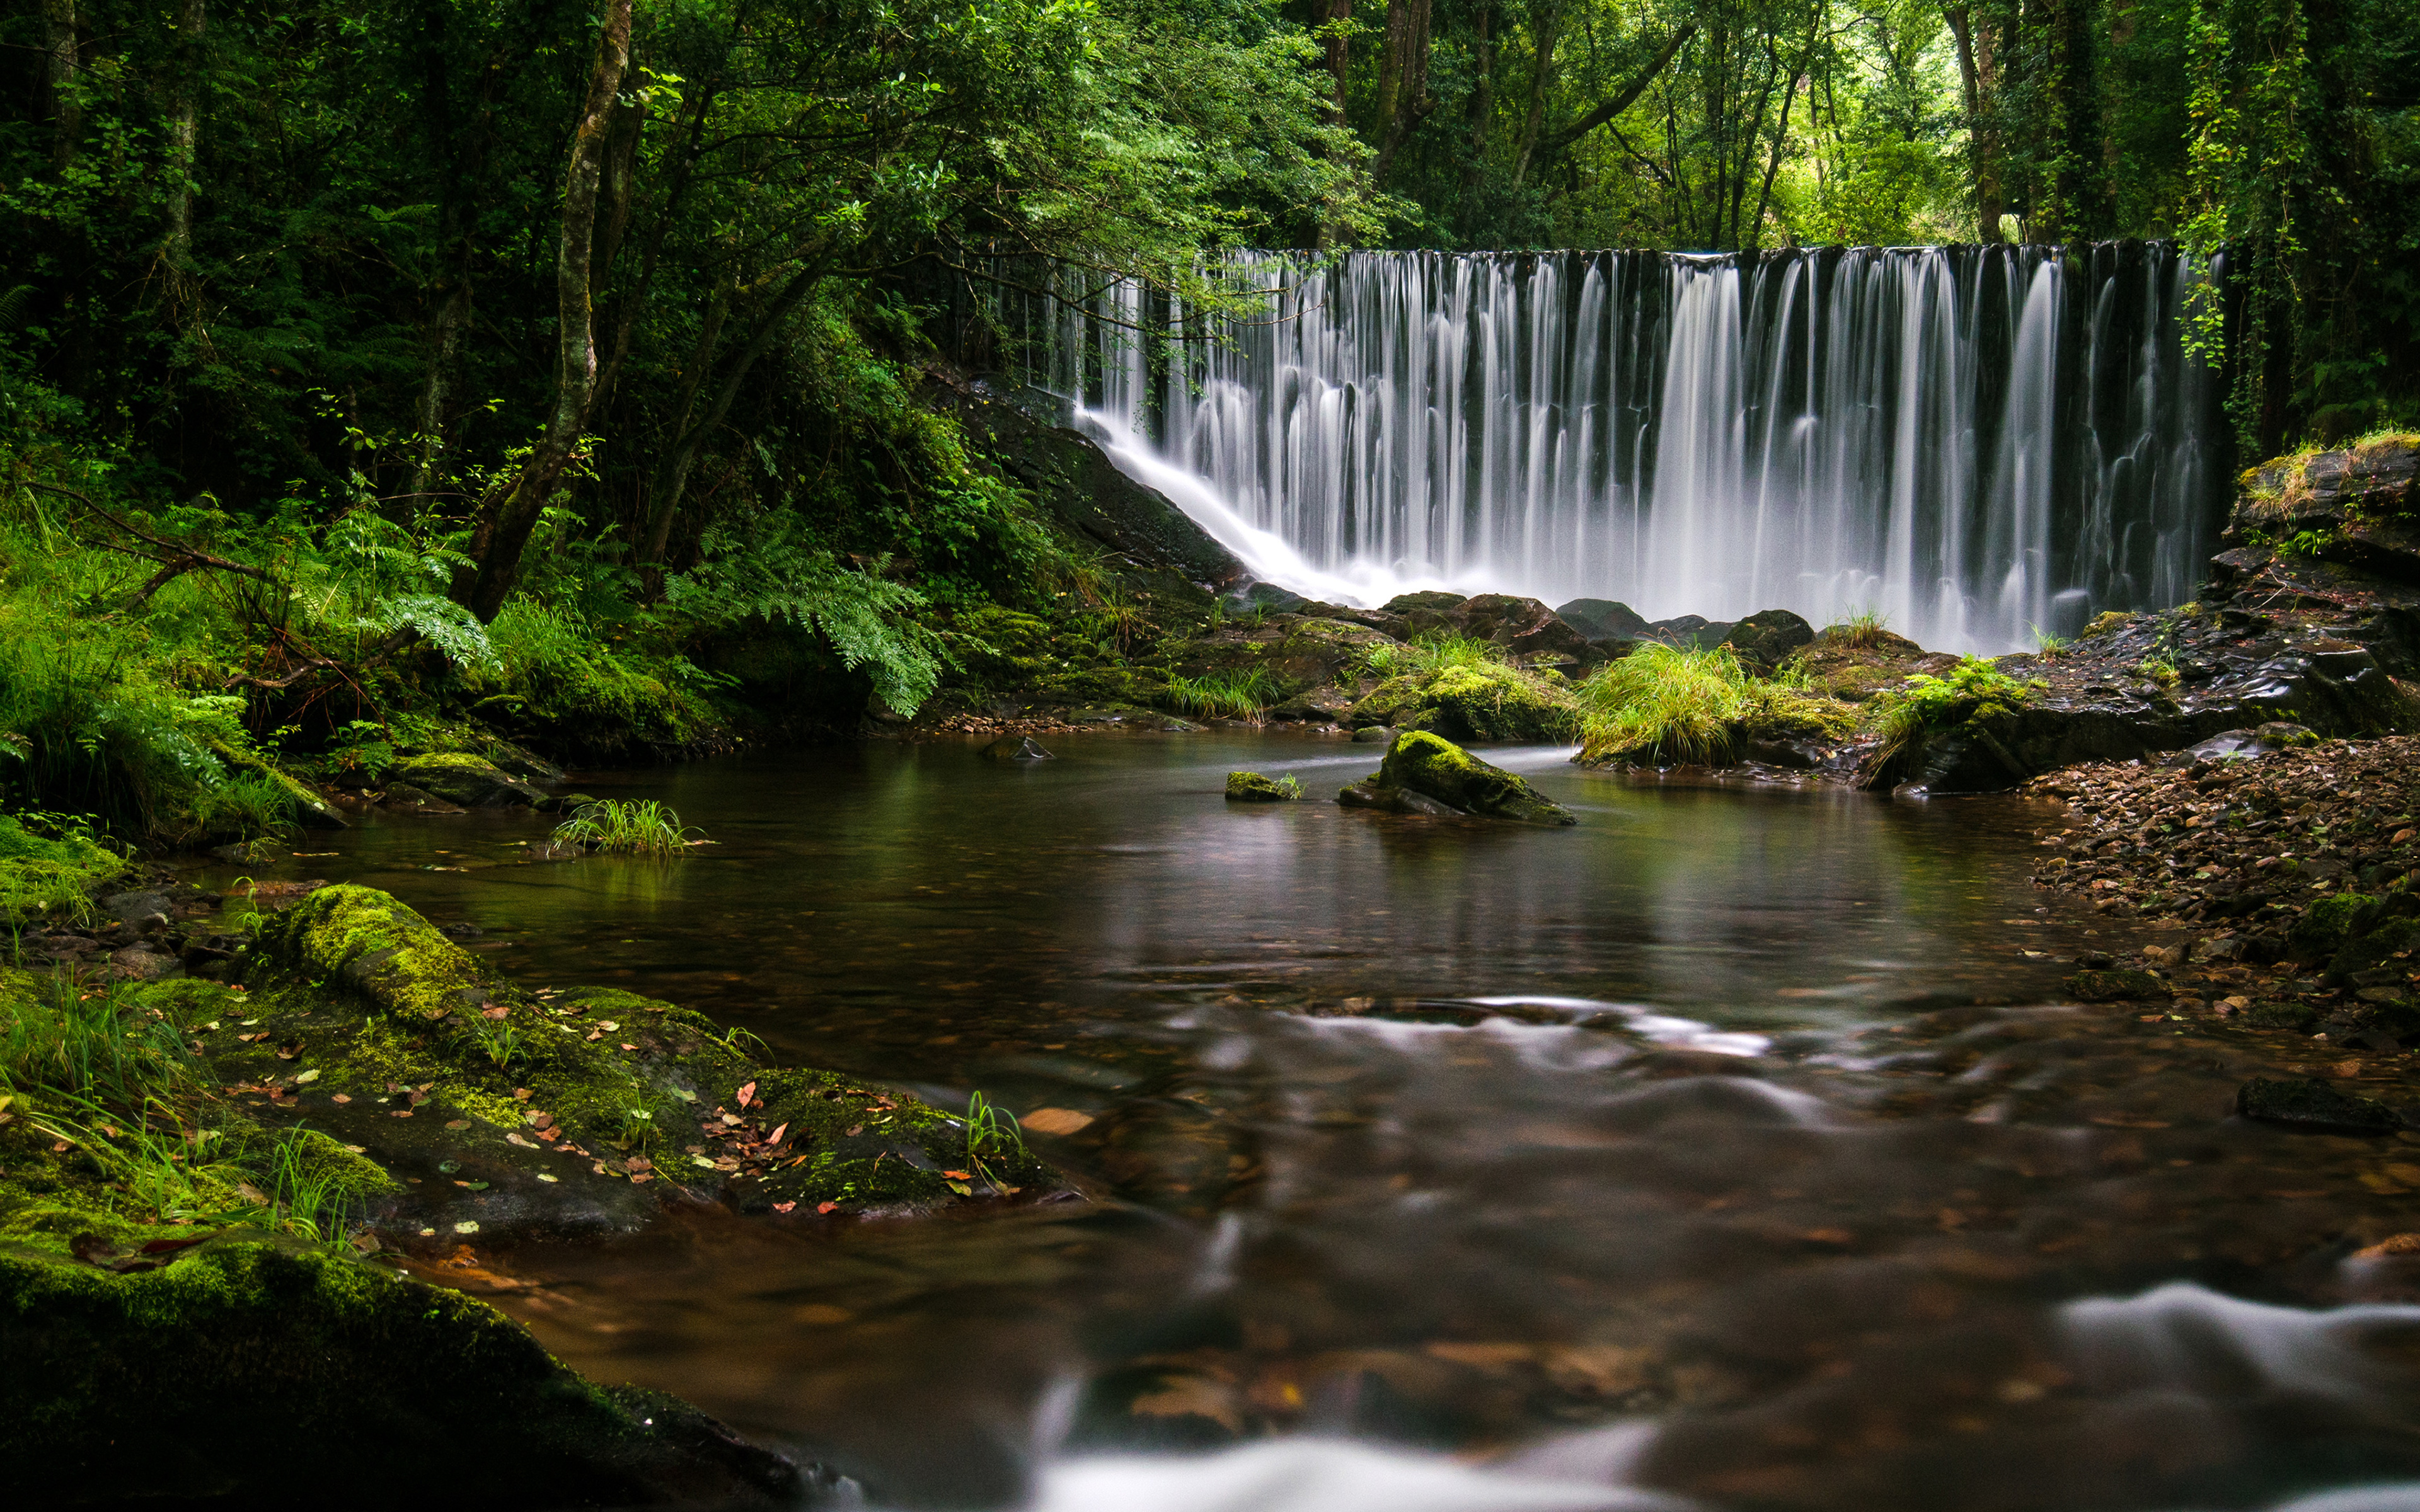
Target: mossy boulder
x,y
2322,930
239,1371
1490,700
311,811
1251,787
2314,1106
2378,948
473,781
373,945
1425,773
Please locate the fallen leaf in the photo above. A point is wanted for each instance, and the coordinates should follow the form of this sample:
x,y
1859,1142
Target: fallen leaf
x,y
1057,1120
250,1192
746,1093
544,1176
311,1075
516,1140
854,1130
631,1047
959,1176
288,1052
400,1113
468,1225
596,1034
775,1137
607,1025
341,1097
496,1011
457,1123
549,1134
730,1119
784,1206
826,1207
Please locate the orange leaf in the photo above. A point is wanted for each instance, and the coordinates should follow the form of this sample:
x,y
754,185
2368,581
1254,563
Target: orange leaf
x,y
959,1176
746,1092
826,1207
775,1137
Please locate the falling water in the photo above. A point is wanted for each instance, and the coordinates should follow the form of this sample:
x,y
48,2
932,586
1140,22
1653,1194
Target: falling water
x,y
1974,442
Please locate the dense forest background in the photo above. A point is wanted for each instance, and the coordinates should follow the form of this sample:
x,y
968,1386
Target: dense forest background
x,y
574,358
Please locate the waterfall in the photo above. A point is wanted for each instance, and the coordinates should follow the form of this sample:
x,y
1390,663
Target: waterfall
x,y
1976,443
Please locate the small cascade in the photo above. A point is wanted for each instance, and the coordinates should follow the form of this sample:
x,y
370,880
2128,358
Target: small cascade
x,y
1976,443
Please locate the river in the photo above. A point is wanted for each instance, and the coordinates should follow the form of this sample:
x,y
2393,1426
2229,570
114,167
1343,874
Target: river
x,y
1726,1151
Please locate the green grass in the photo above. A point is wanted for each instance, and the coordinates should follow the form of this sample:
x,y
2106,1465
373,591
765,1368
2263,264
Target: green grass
x,y
1664,706
1907,719
1862,629
1237,693
992,1135
613,827
2048,646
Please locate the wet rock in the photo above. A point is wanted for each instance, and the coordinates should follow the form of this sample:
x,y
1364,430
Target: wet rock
x,y
1522,626
1421,765
2378,949
1370,793
2116,985
1077,481
1251,787
404,795
140,963
1262,599
1014,748
1433,600
1321,704
1373,734
140,909
1603,619
2314,1106
473,781
1764,638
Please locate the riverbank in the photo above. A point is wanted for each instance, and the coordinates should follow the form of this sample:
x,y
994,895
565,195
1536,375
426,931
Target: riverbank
x,y
200,1177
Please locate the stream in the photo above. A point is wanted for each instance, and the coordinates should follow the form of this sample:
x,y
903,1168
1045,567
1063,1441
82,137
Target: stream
x,y
1727,1150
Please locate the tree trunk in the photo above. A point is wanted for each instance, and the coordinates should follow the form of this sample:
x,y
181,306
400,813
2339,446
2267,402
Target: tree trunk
x,y
185,133
1337,12
60,67
1542,79
1403,80
672,474
1780,139
1482,100
1975,82
505,527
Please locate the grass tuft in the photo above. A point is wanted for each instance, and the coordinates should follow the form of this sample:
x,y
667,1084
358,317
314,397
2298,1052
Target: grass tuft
x,y
1241,693
1664,706
613,827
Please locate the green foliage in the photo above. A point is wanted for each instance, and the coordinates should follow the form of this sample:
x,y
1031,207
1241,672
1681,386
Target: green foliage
x,y
994,1138
615,828
1862,630
1238,693
1662,706
52,873
1974,689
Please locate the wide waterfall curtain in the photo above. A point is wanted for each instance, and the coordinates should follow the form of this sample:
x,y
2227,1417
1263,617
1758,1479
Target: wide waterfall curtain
x,y
1977,442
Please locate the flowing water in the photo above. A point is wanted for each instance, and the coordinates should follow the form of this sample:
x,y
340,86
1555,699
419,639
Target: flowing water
x,y
1718,1152
1974,442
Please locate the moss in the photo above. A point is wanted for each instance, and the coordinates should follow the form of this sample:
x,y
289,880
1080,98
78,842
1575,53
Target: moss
x,y
2106,624
245,1369
368,943
1490,700
1251,787
2378,948
2321,931
42,875
1422,763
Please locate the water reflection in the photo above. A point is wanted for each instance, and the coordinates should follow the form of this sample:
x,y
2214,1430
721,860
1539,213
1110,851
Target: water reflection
x,y
1727,1130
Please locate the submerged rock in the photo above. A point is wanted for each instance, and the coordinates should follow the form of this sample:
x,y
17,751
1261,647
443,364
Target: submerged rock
x,y
1423,772
1014,748
1251,787
473,781
1373,734
2119,985
2314,1106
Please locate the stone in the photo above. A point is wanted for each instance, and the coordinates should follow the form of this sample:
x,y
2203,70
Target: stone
x,y
1262,598
1434,767
1433,600
136,907
2376,950
2314,1106
404,795
2116,985
1014,748
1603,619
1370,793
1251,787
1373,734
473,781
140,963
1522,626
1765,637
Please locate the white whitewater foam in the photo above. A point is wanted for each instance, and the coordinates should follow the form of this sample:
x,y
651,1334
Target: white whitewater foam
x,y
1322,1476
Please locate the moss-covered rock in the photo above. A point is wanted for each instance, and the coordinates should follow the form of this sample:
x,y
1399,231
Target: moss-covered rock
x,y
473,781
1489,701
311,811
2119,985
2378,948
1768,638
240,1371
1424,766
566,1104
40,874
1251,787
2321,930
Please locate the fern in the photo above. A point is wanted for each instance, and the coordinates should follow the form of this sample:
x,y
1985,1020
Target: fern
x,y
781,576
454,630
